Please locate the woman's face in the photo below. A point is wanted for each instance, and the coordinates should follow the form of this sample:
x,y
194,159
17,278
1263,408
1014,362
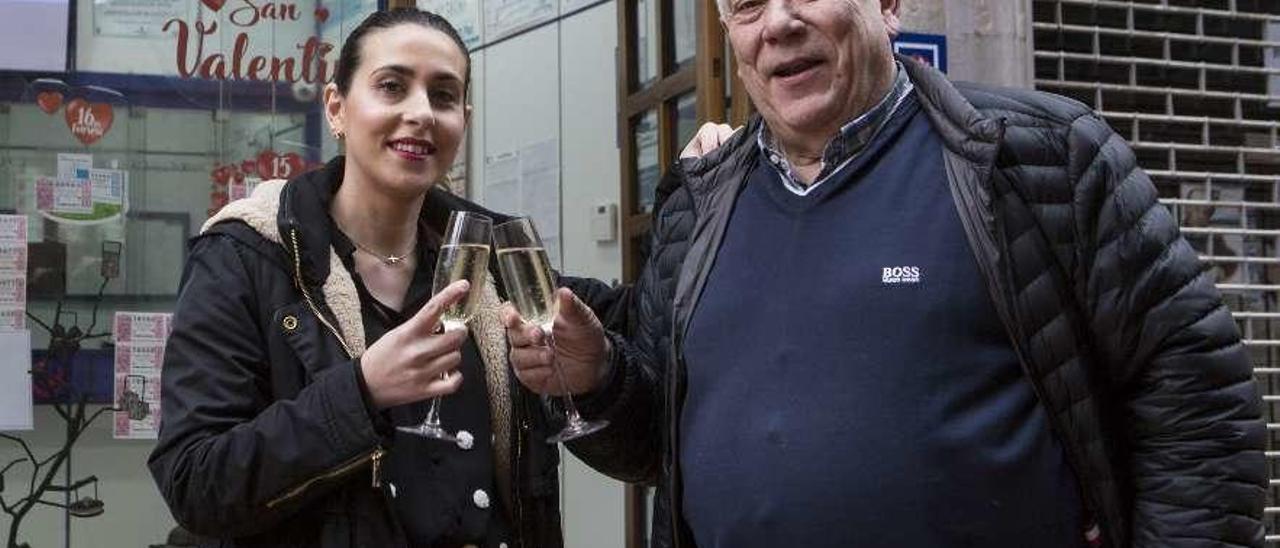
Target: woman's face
x,y
406,110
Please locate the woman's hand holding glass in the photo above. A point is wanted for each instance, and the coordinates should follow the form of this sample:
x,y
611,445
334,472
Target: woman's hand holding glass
x,y
416,361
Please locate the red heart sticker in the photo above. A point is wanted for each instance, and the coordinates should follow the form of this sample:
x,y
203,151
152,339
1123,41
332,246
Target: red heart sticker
x,y
88,121
214,5
49,101
322,14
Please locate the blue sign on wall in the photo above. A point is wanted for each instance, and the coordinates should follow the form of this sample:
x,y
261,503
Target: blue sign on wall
x,y
930,49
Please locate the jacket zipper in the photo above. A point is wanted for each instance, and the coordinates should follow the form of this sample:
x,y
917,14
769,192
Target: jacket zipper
x,y
344,469
375,456
302,287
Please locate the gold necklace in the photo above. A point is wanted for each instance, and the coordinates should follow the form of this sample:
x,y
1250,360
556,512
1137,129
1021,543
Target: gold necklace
x,y
389,260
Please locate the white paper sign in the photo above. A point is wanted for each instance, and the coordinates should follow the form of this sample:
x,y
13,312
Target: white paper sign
x,y
13,290
13,267
74,166
15,381
136,18
502,182
13,228
13,318
142,327
13,256
110,186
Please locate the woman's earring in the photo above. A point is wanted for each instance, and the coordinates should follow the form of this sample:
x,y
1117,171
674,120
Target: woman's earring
x,y
338,134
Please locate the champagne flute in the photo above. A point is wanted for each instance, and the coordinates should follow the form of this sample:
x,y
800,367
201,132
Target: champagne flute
x,y
522,261
464,255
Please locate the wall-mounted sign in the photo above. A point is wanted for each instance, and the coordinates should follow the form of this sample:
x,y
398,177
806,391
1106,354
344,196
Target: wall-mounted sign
x,y
929,49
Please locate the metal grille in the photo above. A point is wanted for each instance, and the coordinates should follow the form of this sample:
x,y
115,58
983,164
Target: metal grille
x,y
1194,85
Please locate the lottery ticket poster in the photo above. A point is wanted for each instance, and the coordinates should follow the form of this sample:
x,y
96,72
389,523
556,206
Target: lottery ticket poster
x,y
140,339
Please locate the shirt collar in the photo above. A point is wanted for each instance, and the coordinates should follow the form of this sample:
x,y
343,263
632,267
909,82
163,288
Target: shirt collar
x,y
852,138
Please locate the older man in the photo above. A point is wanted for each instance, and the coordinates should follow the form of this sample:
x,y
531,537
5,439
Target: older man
x,y
894,311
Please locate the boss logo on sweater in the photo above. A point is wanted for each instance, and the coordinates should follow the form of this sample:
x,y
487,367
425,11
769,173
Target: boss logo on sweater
x,y
900,275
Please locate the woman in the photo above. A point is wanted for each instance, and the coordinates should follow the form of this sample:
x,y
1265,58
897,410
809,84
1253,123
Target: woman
x,y
305,332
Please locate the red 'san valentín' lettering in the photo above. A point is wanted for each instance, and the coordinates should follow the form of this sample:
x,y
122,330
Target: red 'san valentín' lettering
x,y
311,66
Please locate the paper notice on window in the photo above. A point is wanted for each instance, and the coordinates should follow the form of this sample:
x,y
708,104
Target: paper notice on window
x,y
64,195
540,186
13,256
13,269
137,18
140,339
110,186
142,327
13,290
502,182
13,228
15,381
13,318
74,166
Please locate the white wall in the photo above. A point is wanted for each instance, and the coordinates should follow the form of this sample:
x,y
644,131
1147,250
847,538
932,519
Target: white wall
x,y
559,80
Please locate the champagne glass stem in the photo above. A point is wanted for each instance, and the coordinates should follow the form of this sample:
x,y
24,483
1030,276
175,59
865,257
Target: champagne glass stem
x,y
574,417
433,414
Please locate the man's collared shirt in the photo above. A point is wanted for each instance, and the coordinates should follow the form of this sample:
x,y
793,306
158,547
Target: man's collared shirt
x,y
853,137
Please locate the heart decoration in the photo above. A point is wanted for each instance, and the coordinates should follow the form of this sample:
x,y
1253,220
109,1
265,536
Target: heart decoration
x,y
221,175
322,14
88,121
49,101
279,166
214,5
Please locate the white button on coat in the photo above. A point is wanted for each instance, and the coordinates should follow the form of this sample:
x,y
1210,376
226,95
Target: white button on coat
x,y
465,440
481,498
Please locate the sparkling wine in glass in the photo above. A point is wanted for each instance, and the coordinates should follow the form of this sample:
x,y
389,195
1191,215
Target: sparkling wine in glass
x,y
526,272
464,255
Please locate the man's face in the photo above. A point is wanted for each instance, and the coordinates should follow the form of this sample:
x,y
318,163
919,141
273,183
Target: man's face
x,y
811,65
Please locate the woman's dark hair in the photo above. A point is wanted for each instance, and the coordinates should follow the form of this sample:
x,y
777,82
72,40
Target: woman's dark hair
x,y
349,58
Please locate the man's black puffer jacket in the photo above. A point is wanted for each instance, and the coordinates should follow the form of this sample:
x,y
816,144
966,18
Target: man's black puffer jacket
x,y
1121,332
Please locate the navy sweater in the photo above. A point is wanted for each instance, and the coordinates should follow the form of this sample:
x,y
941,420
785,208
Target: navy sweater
x,y
849,382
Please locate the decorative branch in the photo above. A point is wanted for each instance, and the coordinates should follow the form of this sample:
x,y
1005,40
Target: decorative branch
x,y
25,448
10,465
